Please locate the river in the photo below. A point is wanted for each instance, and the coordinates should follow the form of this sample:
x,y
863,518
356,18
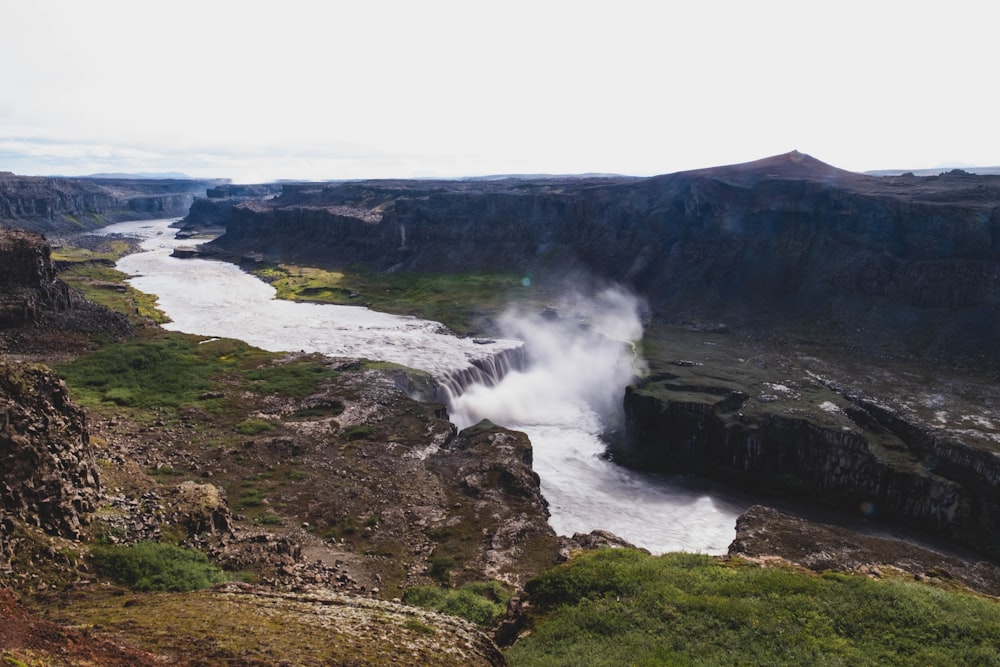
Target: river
x,y
574,375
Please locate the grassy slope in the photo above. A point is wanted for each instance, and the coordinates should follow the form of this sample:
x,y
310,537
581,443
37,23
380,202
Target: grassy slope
x,y
627,608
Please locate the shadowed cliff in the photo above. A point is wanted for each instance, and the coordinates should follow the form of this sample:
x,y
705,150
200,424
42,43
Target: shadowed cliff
x,y
898,264
44,204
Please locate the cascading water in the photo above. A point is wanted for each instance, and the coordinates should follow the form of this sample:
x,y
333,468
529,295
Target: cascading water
x,y
558,378
485,371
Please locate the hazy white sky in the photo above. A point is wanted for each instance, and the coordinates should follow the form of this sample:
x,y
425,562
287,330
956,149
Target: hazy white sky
x,y
257,91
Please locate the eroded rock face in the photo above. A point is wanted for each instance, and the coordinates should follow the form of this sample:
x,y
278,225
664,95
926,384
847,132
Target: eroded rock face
x,y
500,496
784,242
28,283
48,473
814,444
46,204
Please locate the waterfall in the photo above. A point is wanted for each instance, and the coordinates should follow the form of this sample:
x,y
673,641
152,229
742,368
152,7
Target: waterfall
x,y
554,375
487,371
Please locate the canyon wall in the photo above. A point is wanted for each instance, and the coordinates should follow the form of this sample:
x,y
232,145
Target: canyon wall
x,y
864,458
910,264
66,205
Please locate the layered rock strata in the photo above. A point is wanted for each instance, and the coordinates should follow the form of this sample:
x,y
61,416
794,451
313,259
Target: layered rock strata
x,y
46,204
814,440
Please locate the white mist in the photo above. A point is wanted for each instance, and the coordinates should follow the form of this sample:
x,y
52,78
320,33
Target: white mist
x,y
580,358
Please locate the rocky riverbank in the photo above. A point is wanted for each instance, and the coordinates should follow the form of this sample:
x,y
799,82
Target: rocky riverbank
x,y
892,442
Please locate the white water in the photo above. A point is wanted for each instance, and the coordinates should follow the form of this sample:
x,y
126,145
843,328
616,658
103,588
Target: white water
x,y
576,375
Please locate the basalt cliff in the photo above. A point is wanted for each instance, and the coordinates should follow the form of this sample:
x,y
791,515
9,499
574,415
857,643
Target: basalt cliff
x,y
899,264
39,313
67,205
861,306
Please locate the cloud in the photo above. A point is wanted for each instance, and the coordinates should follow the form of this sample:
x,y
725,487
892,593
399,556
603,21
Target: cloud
x,y
349,90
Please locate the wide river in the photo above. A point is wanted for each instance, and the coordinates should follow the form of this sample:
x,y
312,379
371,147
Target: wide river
x,y
554,400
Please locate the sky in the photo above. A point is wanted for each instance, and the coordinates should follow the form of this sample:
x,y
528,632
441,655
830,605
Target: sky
x,y
259,91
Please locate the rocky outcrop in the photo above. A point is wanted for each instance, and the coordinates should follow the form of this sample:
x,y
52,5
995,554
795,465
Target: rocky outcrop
x,y
500,495
903,262
45,204
865,458
48,473
211,214
39,313
28,283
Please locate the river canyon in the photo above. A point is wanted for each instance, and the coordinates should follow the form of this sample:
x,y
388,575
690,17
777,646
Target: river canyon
x,y
569,388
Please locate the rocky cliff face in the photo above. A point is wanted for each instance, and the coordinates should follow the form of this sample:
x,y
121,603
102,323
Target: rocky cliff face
x,y
48,474
28,283
763,532
76,204
786,242
774,426
212,213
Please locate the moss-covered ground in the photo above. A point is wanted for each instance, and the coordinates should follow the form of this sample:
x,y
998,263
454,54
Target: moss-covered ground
x,y
624,607
466,303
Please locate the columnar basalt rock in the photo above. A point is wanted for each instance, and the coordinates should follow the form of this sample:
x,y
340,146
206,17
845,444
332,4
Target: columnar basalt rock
x,y
48,471
930,482
28,283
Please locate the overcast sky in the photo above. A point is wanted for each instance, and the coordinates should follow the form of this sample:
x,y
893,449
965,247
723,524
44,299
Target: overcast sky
x,y
259,91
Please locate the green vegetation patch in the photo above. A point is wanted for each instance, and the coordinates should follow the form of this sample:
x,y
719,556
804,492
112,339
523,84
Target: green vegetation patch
x,y
616,607
254,426
481,602
168,370
297,379
165,371
152,566
459,301
106,286
107,251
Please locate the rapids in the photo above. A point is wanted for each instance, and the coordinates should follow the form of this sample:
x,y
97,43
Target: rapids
x,y
563,388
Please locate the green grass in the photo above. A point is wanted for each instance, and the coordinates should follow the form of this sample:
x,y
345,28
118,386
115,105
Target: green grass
x,y
108,252
167,370
254,426
152,566
480,602
297,379
106,286
623,607
460,301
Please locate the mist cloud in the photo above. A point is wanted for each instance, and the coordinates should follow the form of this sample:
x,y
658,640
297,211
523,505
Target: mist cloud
x,y
580,356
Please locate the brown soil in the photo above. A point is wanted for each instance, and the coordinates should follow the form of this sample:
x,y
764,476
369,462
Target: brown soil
x,y
24,639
